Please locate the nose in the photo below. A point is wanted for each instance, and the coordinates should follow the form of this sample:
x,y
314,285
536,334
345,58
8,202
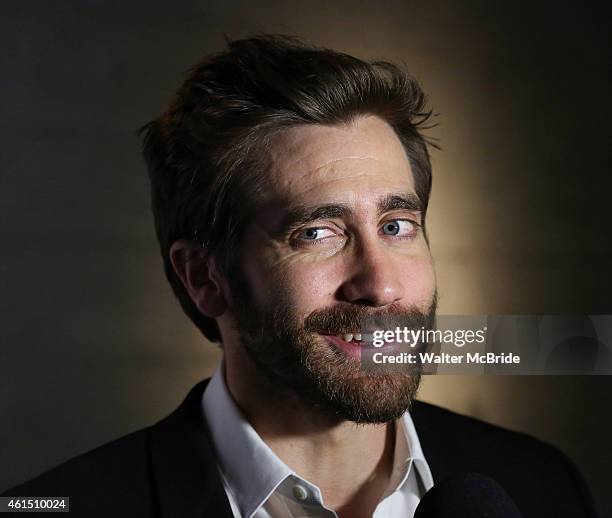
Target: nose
x,y
374,279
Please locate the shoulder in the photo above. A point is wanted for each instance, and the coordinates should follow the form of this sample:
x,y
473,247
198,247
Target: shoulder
x,y
170,464
97,479
461,430
528,468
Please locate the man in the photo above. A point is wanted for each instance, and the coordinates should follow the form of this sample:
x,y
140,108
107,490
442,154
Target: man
x,y
290,187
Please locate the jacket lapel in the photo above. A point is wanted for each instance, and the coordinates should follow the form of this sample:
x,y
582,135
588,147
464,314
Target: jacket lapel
x,y
441,451
183,466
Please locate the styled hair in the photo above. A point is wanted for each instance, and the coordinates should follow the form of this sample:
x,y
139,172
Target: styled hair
x,y
207,153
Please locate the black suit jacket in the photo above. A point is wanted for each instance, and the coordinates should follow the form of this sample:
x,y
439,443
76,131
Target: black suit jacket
x,y
169,470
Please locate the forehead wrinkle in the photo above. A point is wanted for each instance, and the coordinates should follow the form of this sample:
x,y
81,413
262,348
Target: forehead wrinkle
x,y
299,154
290,145
366,158
308,188
279,172
283,176
334,160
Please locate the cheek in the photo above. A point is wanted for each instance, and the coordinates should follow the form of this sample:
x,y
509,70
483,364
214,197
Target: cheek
x,y
302,283
307,286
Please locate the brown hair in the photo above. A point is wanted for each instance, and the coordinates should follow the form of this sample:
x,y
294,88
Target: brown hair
x,y
206,153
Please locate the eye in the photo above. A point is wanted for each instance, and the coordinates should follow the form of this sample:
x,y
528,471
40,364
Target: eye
x,y
400,228
314,234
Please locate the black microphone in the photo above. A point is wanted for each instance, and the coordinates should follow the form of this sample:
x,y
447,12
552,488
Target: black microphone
x,y
467,495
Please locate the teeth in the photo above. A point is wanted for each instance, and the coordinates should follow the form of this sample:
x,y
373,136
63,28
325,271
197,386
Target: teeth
x,y
349,337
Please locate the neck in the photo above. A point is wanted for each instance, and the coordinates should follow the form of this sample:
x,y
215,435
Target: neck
x,y
350,463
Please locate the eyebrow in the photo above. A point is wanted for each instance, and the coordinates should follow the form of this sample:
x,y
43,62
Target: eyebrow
x,y
405,201
300,215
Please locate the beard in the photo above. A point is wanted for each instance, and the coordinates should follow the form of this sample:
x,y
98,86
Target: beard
x,y
302,365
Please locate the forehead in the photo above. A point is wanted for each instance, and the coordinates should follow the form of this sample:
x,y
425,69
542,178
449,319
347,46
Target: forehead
x,y
315,162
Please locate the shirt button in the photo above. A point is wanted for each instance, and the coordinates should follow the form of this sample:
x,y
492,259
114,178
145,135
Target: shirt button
x,y
300,492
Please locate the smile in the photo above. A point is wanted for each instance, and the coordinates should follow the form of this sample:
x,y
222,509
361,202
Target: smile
x,y
351,344
350,337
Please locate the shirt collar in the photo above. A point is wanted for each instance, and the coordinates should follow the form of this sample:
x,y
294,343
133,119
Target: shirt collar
x,y
253,471
412,445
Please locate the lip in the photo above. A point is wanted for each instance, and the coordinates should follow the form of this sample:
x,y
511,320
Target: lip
x,y
352,349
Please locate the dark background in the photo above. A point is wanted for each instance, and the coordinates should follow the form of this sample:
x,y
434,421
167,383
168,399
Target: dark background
x,y
93,344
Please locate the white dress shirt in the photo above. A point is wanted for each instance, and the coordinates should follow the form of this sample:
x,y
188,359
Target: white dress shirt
x,y
260,485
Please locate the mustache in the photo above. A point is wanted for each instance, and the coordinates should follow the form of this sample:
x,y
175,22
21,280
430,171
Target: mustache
x,y
339,320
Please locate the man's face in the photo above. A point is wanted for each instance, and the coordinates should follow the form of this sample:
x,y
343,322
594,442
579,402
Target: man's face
x,y
336,239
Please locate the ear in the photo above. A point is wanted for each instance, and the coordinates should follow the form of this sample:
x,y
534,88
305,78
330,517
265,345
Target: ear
x,y
198,273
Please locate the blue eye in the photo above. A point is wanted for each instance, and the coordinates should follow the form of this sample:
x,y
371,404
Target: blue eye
x,y
400,227
391,228
311,233
315,234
